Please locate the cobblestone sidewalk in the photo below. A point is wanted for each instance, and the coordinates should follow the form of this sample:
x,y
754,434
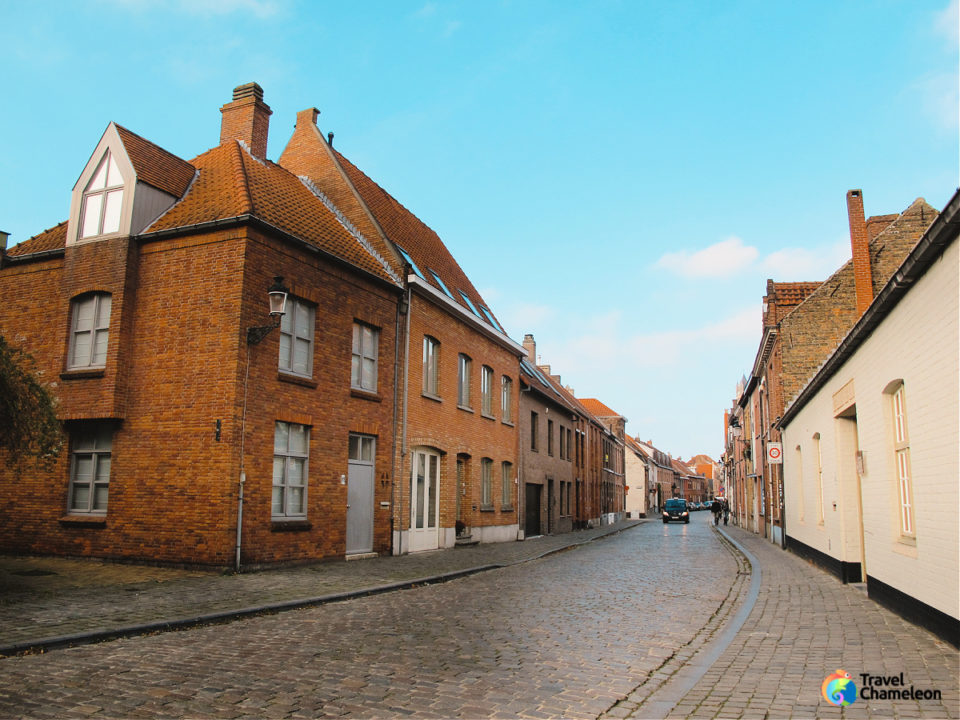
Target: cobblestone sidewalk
x,y
52,602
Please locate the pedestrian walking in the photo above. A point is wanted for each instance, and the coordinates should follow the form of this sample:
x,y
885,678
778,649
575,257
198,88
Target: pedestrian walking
x,y
716,508
726,511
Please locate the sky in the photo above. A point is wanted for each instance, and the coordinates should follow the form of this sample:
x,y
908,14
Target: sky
x,y
618,178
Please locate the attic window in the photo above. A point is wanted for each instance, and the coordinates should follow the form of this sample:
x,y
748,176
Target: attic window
x,y
490,318
102,200
410,261
440,283
469,303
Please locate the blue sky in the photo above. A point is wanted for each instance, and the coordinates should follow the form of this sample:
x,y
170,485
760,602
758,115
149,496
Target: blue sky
x,y
618,178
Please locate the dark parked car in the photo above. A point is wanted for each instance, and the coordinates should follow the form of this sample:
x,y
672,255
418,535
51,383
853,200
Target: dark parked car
x,y
676,509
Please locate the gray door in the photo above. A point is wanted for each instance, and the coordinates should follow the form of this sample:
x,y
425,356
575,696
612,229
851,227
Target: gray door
x,y
360,494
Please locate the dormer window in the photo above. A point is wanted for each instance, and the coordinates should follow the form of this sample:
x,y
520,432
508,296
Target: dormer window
x,y
102,200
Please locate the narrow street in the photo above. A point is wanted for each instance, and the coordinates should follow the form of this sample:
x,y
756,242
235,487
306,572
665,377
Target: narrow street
x,y
568,635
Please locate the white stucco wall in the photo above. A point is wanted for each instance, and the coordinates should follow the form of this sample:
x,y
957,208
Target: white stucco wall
x,y
636,502
917,343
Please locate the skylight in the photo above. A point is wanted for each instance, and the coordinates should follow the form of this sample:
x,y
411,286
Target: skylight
x,y
490,318
440,283
410,260
469,303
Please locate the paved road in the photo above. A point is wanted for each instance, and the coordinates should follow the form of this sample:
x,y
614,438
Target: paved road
x,y
565,636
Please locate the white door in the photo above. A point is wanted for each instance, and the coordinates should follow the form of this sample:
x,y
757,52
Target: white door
x,y
425,501
360,494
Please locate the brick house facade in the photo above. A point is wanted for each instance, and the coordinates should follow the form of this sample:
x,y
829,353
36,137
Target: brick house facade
x,y
187,444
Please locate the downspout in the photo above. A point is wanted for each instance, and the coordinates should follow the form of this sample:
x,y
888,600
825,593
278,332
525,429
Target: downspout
x,y
406,395
402,309
243,474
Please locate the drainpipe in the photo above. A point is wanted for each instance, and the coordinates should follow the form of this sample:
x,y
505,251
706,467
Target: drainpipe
x,y
243,474
406,394
403,308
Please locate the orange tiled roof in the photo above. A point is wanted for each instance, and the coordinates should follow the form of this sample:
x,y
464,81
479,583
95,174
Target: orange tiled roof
x,y
598,408
155,166
788,294
232,183
405,229
52,239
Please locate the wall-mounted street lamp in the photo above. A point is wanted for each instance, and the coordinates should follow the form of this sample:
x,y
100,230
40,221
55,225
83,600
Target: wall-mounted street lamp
x,y
277,294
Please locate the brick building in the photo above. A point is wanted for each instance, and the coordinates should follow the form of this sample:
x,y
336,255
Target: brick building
x,y
457,401
802,324
870,442
607,454
191,438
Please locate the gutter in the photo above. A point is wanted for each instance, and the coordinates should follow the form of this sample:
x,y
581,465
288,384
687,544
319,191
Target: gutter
x,y
930,247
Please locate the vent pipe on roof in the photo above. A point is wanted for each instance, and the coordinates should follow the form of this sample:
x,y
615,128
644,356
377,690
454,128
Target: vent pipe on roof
x,y
330,139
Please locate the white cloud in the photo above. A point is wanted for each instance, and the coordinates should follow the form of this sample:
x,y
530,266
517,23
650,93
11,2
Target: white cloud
x,y
209,8
721,259
947,23
800,264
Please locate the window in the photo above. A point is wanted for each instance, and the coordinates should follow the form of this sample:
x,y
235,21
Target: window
x,y
549,437
469,303
291,450
431,355
90,453
901,448
486,390
410,261
363,370
800,502
440,282
569,441
90,330
506,485
506,399
534,430
563,444
296,338
102,200
486,482
490,318
463,381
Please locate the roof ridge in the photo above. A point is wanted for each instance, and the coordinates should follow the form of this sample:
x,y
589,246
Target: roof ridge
x,y
350,227
243,180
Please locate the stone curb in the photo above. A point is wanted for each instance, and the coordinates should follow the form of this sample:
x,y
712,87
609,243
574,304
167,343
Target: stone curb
x,y
224,616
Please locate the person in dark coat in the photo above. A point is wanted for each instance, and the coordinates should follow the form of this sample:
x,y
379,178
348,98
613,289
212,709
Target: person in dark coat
x,y
715,508
726,511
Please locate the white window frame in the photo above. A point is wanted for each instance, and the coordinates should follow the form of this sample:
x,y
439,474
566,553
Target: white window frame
x,y
98,331
297,332
284,460
93,443
431,366
901,452
486,483
506,487
816,440
464,370
366,348
506,399
486,390
106,201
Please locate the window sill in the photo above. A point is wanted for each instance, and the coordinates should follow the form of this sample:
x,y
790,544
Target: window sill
x,y
487,416
431,396
465,408
487,508
290,525
365,395
907,540
506,508
508,423
91,521
79,373
296,379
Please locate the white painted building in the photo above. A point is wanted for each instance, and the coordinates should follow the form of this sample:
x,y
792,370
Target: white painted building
x,y
871,443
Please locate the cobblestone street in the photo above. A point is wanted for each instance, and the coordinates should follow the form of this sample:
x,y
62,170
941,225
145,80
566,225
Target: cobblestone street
x,y
567,635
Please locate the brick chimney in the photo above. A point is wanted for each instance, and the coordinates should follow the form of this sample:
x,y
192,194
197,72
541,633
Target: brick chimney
x,y
530,345
860,244
247,118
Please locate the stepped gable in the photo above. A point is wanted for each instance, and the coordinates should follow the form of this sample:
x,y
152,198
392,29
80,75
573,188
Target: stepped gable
x,y
232,183
405,229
